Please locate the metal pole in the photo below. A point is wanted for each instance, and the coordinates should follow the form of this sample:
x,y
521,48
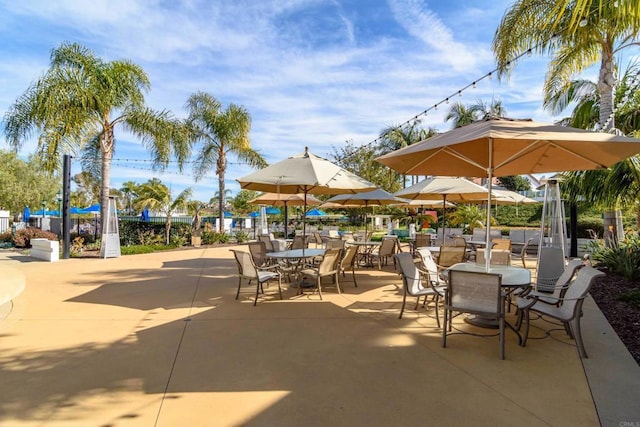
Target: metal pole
x,y
66,195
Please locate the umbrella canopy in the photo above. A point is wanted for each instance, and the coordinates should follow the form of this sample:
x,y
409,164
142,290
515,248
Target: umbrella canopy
x,y
377,197
501,147
286,200
272,211
74,210
419,203
305,173
508,197
95,208
316,212
275,199
144,216
26,214
452,189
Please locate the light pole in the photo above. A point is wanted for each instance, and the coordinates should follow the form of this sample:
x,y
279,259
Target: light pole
x,y
59,200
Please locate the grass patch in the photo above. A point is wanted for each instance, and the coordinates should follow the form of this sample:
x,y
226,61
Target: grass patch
x,y
632,298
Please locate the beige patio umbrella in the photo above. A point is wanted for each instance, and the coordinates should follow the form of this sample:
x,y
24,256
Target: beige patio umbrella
x,y
305,173
449,188
377,197
286,200
501,147
508,197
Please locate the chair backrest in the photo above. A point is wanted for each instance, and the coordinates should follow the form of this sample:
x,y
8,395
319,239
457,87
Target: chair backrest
x,y
450,255
475,292
334,233
267,242
411,279
429,265
565,278
335,243
498,257
388,246
317,238
246,268
258,252
459,241
329,263
299,242
349,257
577,291
501,244
422,240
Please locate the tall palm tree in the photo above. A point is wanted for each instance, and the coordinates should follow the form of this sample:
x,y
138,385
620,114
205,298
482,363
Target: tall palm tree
x,y
129,189
395,137
461,115
154,195
219,133
577,33
81,99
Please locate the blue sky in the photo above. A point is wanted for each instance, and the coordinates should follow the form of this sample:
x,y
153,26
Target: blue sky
x,y
310,72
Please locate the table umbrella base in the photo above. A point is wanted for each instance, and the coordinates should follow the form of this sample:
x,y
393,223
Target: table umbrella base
x,y
482,321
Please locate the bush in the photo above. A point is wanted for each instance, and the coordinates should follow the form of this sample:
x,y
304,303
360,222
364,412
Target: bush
x,y
6,237
584,224
623,258
242,237
22,238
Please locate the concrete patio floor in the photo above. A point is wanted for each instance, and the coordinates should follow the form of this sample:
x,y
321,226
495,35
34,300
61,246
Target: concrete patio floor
x,y
159,340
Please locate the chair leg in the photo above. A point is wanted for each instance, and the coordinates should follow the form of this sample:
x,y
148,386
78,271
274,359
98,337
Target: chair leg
x,y
258,287
578,334
280,285
353,273
525,336
338,283
444,330
239,284
319,287
501,337
437,315
404,300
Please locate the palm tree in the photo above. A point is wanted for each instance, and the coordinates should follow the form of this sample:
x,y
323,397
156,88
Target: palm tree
x,y
461,115
395,137
154,195
129,189
219,133
577,33
80,100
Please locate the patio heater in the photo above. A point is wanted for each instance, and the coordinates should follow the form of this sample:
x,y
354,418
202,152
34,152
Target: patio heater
x,y
553,237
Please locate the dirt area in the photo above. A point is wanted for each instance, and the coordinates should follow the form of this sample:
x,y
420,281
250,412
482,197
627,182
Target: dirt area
x,y
624,316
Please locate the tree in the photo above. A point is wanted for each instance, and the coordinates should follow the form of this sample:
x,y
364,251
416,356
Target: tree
x,y
395,137
80,100
129,190
25,183
576,33
154,195
241,204
515,183
218,134
89,186
461,115
468,216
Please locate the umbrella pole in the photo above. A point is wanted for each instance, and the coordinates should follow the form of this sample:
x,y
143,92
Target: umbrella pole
x,y
286,220
444,215
304,217
487,248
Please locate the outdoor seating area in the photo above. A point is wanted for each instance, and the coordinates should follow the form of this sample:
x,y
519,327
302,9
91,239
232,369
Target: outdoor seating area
x,y
163,335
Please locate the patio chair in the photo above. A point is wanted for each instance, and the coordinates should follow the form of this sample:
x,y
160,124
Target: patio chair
x,y
458,241
267,242
526,248
450,255
386,250
561,285
568,309
335,243
299,242
317,239
550,268
421,241
474,293
498,257
328,267
258,251
413,283
248,270
348,261
501,244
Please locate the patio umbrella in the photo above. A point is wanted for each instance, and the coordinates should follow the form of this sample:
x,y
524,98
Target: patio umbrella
x,y
501,147
508,197
316,212
305,173
144,216
452,189
286,200
377,197
26,214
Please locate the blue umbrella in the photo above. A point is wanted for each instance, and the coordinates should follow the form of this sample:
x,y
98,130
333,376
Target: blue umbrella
x,y
316,212
93,208
26,214
254,214
144,217
228,215
273,211
74,210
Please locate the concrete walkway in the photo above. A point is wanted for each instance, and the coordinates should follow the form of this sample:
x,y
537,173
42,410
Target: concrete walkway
x,y
159,340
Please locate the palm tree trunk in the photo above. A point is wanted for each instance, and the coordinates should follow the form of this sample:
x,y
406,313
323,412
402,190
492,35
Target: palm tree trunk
x,y
221,166
606,83
106,145
168,228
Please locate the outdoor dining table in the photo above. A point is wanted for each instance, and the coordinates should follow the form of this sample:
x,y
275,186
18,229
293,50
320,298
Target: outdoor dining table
x,y
512,278
298,255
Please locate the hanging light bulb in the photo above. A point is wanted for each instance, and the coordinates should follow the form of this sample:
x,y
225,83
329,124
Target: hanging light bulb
x,y
446,100
459,93
529,52
615,3
490,75
473,85
435,107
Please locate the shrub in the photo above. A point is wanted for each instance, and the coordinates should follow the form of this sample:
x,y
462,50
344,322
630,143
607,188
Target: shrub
x,y
22,238
242,237
623,258
6,237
